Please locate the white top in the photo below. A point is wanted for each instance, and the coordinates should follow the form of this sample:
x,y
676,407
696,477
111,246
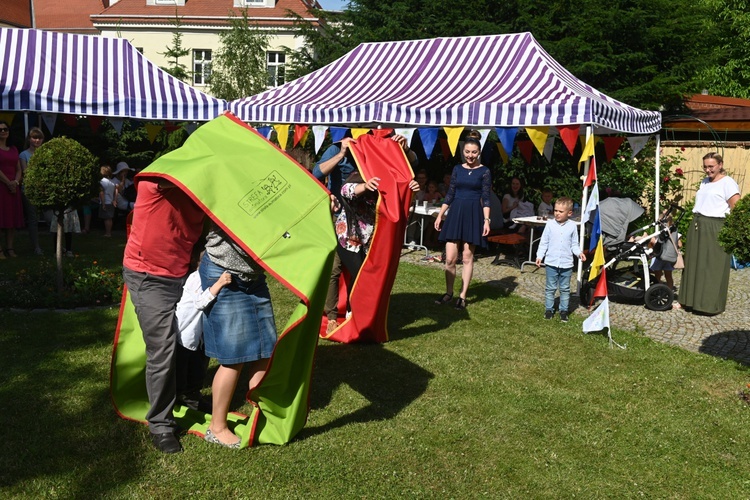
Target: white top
x,y
122,203
711,198
559,244
545,206
189,311
108,186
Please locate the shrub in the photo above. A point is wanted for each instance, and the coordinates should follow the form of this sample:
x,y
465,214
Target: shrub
x,y
735,235
61,173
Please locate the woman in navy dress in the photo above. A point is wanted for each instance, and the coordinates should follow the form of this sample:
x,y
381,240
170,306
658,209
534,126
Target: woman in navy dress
x,y
468,222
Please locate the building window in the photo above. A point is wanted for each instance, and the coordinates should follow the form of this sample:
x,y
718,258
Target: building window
x,y
275,64
201,66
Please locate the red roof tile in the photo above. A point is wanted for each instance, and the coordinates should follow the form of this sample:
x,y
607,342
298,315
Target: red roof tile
x,y
16,14
200,12
70,15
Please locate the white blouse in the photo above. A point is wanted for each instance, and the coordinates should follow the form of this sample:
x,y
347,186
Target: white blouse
x,y
711,198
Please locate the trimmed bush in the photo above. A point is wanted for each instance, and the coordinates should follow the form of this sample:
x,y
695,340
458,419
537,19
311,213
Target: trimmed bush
x,y
61,173
735,235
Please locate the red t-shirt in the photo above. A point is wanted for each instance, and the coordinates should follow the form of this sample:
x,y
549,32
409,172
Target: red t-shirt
x,y
166,225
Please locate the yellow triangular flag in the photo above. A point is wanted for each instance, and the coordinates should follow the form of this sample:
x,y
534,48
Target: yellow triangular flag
x,y
7,117
598,261
538,136
588,150
502,152
282,134
153,130
356,132
454,134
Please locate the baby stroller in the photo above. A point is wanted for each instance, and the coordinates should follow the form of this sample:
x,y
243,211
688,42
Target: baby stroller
x,y
633,283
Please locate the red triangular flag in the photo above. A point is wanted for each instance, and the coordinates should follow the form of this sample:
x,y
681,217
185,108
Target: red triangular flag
x,y
611,145
601,286
591,176
525,147
95,122
445,148
299,133
70,120
569,136
170,127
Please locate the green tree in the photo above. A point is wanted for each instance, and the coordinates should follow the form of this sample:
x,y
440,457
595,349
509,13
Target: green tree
x,y
643,52
239,66
734,237
175,52
61,175
729,28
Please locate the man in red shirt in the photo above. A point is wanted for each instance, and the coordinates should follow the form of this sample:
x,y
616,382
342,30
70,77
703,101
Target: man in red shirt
x,y
166,226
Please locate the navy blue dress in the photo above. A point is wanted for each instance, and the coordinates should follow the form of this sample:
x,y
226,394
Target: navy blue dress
x,y
468,193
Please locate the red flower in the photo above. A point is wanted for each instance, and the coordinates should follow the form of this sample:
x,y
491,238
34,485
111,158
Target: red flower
x,y
682,148
678,171
666,179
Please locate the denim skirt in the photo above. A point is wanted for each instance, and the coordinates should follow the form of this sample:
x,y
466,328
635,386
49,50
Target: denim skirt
x,y
239,326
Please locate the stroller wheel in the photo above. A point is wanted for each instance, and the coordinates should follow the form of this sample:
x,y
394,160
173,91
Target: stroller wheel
x,y
659,297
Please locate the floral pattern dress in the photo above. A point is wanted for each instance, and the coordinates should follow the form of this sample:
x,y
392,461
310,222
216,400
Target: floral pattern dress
x,y
362,220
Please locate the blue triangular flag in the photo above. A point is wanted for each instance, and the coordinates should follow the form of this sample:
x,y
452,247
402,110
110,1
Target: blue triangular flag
x,y
337,133
507,135
429,138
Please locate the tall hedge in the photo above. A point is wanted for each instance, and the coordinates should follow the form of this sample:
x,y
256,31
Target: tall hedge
x,y
61,173
735,235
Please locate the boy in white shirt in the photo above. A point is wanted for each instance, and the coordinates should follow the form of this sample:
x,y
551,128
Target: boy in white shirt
x,y
558,245
192,363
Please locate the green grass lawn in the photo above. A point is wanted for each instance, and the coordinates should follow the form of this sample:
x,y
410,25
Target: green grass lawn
x,y
491,402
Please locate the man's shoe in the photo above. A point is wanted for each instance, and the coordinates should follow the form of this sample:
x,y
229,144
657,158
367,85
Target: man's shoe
x,y
549,314
563,316
166,442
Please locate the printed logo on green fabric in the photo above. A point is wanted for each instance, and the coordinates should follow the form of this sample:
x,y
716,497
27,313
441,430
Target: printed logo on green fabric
x,y
262,196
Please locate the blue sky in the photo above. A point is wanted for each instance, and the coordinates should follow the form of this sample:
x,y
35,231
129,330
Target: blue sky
x,y
333,4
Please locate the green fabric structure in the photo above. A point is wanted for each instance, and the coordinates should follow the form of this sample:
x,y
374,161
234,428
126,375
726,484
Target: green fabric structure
x,y
281,216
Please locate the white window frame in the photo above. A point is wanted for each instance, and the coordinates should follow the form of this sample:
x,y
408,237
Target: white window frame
x,y
273,79
205,66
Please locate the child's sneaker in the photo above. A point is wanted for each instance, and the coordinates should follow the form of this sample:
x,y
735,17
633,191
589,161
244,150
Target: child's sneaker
x,y
549,314
563,316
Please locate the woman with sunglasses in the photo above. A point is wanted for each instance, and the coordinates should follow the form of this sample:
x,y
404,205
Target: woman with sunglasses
x,y
705,279
11,205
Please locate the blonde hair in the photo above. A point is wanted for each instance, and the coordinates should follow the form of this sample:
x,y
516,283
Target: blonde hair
x,y
106,171
565,202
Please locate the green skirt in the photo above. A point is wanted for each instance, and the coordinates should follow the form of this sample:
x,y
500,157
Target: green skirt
x,y
705,279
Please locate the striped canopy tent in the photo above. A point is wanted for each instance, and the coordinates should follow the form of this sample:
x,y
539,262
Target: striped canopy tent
x,y
50,72
478,81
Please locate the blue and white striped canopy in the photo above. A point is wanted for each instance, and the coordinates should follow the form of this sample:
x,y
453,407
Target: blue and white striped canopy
x,y
53,72
481,81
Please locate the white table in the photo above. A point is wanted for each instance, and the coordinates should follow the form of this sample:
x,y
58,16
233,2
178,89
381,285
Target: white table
x,y
423,212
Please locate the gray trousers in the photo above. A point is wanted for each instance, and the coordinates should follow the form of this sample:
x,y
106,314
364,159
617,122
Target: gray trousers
x,y
155,298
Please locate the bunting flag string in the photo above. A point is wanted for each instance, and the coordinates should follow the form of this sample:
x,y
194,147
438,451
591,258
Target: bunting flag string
x,y
338,133
588,150
612,145
454,134
429,136
538,136
299,134
152,129
282,134
637,142
548,148
50,119
507,136
569,136
525,147
503,154
319,132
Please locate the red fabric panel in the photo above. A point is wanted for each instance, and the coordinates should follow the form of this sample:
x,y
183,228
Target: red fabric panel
x,y
370,296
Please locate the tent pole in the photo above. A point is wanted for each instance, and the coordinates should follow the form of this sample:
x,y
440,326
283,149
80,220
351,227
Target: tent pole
x,y
657,184
26,123
584,201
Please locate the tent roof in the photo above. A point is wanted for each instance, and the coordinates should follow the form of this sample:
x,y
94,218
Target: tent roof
x,y
481,81
53,72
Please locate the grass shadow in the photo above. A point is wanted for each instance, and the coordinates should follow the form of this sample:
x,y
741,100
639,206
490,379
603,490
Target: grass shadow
x,y
386,380
58,419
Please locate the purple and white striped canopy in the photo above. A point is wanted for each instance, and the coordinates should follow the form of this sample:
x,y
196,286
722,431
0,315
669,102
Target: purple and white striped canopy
x,y
481,81
53,72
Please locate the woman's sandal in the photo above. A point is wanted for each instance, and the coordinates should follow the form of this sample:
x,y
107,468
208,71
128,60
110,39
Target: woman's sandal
x,y
444,299
213,438
460,303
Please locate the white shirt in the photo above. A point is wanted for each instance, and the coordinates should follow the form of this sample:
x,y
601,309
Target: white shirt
x,y
108,186
189,311
711,198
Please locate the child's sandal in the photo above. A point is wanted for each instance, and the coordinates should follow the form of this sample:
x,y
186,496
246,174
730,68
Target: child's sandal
x,y
444,299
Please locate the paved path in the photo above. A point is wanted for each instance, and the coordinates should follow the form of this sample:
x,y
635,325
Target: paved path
x,y
726,335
